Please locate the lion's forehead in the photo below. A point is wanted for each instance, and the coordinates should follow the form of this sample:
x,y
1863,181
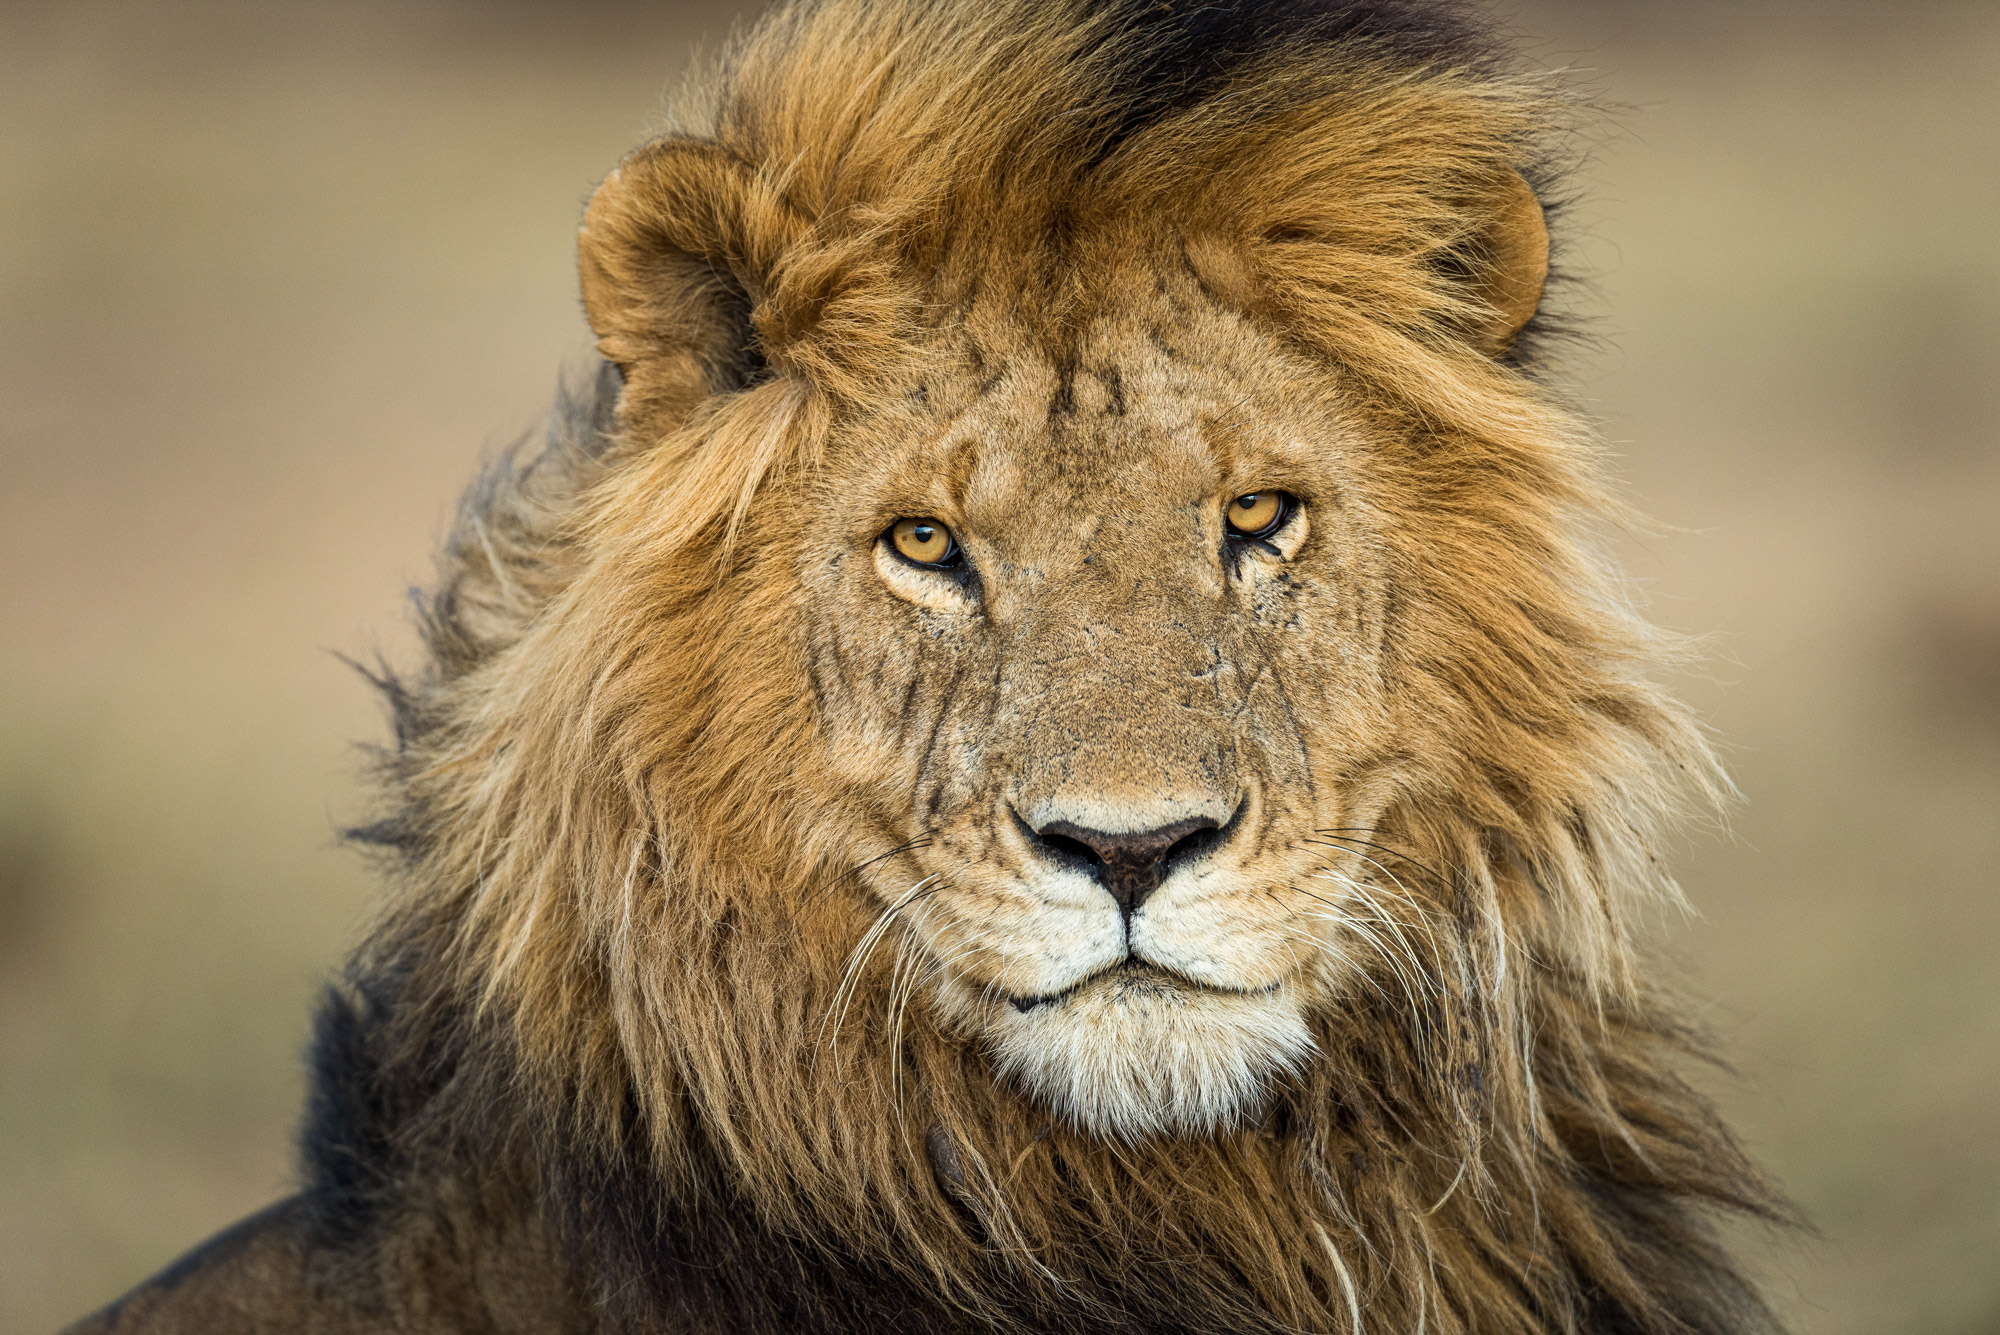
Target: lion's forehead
x,y
1060,436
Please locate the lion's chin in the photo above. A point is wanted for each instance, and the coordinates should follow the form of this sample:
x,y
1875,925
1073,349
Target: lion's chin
x,y
1132,1056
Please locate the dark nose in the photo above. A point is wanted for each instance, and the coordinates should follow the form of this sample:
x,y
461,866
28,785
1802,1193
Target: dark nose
x,y
1131,866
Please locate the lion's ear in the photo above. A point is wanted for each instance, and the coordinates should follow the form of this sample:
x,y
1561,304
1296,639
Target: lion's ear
x,y
675,254
1514,261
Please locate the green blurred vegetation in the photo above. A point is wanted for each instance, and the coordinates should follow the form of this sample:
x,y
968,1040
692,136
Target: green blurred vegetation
x,y
274,277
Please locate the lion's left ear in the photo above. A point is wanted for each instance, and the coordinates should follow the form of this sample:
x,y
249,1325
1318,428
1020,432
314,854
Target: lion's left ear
x,y
1513,261
675,255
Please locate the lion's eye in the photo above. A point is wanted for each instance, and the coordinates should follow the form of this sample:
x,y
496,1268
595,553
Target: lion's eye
x,y
1259,514
924,542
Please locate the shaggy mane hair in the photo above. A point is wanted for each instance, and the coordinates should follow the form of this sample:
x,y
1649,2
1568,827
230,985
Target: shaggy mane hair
x,y
610,1008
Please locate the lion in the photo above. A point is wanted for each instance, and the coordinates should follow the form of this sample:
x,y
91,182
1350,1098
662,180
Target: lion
x,y
1047,745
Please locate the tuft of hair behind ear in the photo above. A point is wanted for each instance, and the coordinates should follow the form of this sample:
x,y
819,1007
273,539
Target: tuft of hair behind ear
x,y
1516,269
676,251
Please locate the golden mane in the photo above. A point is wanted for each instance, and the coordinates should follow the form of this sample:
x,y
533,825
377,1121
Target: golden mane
x,y
622,965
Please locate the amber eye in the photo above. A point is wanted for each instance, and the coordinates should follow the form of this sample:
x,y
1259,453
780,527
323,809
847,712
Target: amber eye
x,y
924,541
1259,514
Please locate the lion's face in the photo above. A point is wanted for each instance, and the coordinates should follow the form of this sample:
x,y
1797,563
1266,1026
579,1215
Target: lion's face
x,y
1125,549
1129,673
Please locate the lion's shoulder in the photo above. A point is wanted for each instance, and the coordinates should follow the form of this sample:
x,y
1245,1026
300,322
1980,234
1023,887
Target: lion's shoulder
x,y
249,1277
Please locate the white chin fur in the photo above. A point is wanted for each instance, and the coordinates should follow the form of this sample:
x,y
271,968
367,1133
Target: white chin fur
x,y
1128,1059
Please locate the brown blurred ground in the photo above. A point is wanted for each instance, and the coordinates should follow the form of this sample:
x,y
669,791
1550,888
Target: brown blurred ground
x,y
272,278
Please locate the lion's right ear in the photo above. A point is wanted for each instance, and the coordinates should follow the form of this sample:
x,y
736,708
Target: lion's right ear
x,y
675,254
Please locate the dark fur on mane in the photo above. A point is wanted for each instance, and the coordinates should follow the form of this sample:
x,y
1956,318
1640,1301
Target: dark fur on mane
x,y
1186,50
410,1088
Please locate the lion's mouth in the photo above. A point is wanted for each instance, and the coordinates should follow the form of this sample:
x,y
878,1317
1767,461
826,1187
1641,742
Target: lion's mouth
x,y
1135,974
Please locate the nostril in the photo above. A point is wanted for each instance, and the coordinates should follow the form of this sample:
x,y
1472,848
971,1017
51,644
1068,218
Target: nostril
x,y
1190,846
1075,850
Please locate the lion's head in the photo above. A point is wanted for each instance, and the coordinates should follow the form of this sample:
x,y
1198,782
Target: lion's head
x,y
1070,665
1096,592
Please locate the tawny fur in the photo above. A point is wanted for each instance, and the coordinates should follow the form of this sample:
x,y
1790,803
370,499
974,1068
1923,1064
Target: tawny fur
x,y
692,1009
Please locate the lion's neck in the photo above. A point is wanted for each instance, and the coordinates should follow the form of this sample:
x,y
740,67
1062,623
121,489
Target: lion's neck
x,y
971,1215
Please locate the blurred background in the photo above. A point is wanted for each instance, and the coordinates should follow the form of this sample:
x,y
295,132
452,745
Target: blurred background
x,y
274,278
